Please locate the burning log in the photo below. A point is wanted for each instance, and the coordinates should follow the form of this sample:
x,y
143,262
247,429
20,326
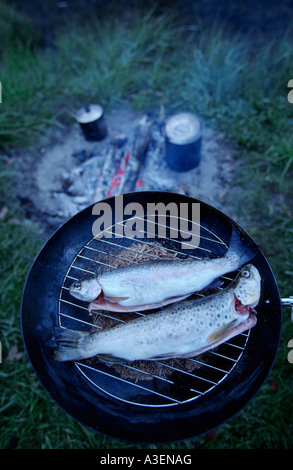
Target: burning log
x,y
139,150
103,181
120,170
116,180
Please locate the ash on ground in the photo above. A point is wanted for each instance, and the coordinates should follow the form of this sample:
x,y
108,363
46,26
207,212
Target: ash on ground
x,y
69,175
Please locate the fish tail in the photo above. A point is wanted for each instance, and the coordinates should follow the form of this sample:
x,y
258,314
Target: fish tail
x,y
68,344
240,249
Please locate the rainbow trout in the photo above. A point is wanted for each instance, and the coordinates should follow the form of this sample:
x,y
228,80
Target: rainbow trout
x,y
157,283
185,329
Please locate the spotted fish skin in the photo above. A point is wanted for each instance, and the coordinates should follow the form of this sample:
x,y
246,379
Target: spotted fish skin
x,y
156,283
185,329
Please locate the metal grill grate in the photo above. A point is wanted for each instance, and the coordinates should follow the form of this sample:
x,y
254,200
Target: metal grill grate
x,y
171,382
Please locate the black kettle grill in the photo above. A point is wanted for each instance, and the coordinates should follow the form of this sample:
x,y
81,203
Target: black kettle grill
x,y
175,401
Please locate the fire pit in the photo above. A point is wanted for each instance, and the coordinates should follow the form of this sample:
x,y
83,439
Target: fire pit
x,y
65,178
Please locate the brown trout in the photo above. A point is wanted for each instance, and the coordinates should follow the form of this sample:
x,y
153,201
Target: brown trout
x,y
185,329
157,283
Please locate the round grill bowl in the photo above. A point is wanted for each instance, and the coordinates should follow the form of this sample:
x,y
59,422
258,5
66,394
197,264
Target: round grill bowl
x,y
179,399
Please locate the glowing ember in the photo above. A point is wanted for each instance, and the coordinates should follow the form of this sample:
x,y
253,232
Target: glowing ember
x,y
116,180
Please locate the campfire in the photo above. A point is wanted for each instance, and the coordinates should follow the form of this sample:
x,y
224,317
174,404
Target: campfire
x,y
74,173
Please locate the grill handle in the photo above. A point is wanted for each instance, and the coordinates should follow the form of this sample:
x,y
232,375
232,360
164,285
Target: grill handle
x,y
288,301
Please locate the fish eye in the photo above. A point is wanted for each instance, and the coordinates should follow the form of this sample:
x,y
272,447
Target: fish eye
x,y
77,285
245,273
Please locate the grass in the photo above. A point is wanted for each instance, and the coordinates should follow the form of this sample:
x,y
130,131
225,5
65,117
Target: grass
x,y
236,83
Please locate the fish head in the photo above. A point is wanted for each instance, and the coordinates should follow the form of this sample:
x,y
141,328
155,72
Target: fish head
x,y
87,289
248,286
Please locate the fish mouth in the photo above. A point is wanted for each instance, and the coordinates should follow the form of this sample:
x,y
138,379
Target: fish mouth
x,y
243,309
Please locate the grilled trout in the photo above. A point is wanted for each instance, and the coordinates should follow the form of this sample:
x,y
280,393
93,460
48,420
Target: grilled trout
x,y
157,283
182,330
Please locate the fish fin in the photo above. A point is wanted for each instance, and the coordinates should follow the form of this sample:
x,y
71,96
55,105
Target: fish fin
x,y
163,357
116,299
68,344
239,246
221,331
108,358
214,284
